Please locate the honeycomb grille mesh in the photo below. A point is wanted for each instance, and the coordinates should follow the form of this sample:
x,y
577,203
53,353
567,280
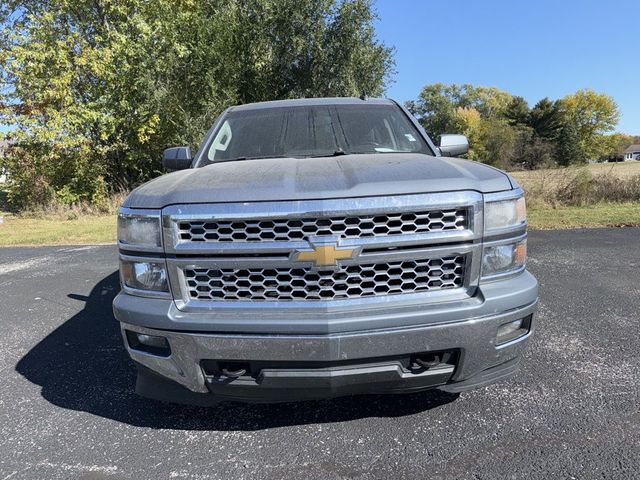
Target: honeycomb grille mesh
x,y
345,282
302,228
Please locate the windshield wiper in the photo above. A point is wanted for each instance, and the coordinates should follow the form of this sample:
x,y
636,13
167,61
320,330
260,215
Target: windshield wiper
x,y
335,153
237,159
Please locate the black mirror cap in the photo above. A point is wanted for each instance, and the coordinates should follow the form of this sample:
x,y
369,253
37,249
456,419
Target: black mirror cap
x,y
177,158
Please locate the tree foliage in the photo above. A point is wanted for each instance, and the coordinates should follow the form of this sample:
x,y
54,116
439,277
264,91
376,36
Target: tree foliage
x,y
97,89
614,145
546,119
517,111
437,104
592,114
569,147
504,131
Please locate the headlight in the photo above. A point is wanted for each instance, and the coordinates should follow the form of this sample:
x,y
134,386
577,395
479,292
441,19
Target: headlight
x,y
504,214
140,230
497,259
150,276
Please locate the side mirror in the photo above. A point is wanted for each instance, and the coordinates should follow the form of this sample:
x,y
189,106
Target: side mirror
x,y
453,145
176,158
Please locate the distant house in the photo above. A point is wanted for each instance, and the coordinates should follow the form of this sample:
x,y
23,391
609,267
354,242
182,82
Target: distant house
x,y
632,153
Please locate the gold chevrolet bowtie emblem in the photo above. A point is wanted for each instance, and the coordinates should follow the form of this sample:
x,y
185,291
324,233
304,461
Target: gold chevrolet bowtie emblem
x,y
325,255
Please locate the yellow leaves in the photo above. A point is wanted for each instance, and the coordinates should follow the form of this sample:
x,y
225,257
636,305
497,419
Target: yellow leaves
x,y
467,119
147,129
593,114
589,109
181,50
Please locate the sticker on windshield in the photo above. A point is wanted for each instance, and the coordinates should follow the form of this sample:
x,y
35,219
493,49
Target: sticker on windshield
x,y
410,137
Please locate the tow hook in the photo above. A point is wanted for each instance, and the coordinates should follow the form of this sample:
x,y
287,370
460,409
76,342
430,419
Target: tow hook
x,y
424,364
233,373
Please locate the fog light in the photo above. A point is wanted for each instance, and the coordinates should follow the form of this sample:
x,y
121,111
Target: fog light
x,y
152,340
513,330
153,344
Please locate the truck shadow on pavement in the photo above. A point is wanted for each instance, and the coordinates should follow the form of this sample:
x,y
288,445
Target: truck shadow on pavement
x,y
83,366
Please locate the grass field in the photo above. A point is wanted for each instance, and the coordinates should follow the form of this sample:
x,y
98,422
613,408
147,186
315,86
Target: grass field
x,y
539,184
620,169
600,215
543,186
43,231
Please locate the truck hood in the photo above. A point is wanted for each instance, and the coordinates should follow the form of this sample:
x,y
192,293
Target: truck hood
x,y
318,178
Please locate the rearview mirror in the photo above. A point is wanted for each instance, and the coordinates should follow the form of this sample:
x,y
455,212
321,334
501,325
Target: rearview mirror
x,y
176,158
453,145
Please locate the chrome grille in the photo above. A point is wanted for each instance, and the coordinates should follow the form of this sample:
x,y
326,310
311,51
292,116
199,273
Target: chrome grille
x,y
344,282
296,229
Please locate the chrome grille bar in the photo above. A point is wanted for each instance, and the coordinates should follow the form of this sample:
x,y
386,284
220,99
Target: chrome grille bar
x,y
308,284
295,229
178,237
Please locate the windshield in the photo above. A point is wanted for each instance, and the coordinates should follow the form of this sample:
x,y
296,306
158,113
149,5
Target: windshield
x,y
314,131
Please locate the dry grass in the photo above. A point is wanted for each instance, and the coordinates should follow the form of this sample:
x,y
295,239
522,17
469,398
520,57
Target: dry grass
x,y
581,186
109,207
620,169
597,195
543,185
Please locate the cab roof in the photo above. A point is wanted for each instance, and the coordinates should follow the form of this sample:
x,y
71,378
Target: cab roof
x,y
302,102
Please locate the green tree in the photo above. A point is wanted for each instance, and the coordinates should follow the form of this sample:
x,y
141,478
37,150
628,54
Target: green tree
x,y
503,131
98,89
517,111
435,108
546,119
437,104
593,115
497,143
531,151
489,101
569,148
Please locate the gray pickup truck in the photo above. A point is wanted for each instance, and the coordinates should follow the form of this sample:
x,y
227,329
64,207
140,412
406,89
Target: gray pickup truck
x,y
322,247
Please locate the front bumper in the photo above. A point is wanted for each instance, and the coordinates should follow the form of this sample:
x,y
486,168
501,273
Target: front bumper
x,y
341,362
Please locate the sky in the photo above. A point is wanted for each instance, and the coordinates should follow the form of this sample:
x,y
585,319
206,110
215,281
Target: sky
x,y
531,48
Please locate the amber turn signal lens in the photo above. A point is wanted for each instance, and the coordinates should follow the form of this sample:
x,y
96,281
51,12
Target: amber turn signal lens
x,y
520,256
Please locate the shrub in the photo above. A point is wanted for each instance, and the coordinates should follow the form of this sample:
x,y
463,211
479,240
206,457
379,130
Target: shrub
x,y
45,175
579,187
578,190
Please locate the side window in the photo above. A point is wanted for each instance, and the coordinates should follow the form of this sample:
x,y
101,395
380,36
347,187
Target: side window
x,y
221,142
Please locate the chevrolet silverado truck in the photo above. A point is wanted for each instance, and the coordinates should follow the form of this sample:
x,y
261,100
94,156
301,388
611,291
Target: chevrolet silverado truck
x,y
316,248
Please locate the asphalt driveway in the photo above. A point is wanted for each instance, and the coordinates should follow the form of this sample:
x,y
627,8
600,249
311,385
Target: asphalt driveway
x,y
67,407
